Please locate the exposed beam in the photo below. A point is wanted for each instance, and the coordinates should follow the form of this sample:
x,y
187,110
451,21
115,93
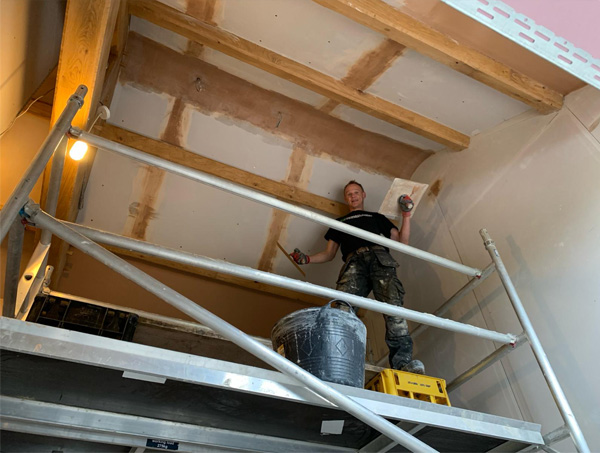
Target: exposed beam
x,y
181,156
42,98
40,108
119,40
396,25
253,285
265,59
85,45
154,67
47,87
87,35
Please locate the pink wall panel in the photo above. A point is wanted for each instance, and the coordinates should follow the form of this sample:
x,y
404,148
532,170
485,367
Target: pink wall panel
x,y
574,20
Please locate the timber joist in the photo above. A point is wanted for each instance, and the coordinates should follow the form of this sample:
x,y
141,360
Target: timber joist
x,y
267,60
197,162
400,27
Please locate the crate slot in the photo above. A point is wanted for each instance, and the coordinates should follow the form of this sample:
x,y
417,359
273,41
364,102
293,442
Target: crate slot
x,y
410,385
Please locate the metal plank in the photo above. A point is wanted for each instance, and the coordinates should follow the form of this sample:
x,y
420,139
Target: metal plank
x,y
57,420
32,279
88,387
86,349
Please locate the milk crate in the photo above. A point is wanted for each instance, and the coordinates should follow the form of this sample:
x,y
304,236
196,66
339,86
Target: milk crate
x,y
410,385
83,317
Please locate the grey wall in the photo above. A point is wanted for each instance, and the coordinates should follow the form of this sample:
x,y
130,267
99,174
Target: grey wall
x,y
29,48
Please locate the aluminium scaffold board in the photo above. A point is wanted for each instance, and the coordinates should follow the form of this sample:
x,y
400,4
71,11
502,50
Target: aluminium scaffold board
x,y
62,384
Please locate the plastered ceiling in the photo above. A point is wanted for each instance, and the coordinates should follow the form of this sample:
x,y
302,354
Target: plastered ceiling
x,y
215,104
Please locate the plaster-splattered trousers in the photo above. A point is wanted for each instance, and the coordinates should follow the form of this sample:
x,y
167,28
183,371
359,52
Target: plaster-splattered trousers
x,y
372,268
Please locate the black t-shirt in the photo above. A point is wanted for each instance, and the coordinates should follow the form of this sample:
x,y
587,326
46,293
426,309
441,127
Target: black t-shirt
x,y
365,220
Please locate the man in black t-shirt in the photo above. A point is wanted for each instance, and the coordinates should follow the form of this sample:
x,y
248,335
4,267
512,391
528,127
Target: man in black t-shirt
x,y
369,267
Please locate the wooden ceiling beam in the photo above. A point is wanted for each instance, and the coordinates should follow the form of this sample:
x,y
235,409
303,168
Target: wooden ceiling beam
x,y
191,160
396,25
87,34
41,109
117,48
219,276
267,60
40,103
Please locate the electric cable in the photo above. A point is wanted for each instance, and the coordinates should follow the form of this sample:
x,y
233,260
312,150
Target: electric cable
x,y
24,112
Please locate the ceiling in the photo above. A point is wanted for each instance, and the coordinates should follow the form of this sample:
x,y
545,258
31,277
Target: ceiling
x,y
366,89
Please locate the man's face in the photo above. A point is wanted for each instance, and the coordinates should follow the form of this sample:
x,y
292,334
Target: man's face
x,y
354,197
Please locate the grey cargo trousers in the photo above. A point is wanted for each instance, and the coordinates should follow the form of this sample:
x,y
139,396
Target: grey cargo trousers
x,y
374,269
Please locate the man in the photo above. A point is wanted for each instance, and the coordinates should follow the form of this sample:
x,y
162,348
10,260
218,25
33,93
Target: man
x,y
369,267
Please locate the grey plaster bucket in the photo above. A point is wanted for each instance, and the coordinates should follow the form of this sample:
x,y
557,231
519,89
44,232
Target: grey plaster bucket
x,y
327,342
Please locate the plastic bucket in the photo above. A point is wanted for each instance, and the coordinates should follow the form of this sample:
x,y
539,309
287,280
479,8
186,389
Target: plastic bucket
x,y
327,342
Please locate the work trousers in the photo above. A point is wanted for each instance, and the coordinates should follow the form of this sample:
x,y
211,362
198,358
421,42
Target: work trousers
x,y
374,269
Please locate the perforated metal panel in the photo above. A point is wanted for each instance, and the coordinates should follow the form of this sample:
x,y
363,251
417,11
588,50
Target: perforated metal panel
x,y
524,31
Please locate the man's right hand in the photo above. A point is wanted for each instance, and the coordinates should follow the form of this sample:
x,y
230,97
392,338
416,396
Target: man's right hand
x,y
299,257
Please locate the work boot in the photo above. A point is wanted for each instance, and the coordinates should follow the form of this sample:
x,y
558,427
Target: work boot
x,y
414,366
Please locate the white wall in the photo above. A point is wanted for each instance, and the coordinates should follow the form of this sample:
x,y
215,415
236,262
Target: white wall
x,y
17,149
534,183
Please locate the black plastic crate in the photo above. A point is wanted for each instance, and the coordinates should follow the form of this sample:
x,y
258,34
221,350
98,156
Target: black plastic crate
x,y
83,317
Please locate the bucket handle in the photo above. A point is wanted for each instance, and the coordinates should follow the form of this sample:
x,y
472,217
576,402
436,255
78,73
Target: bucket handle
x,y
328,305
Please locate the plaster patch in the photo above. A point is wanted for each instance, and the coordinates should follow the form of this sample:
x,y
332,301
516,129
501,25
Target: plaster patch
x,y
368,68
329,106
372,64
173,132
142,212
434,189
279,221
297,167
298,174
145,210
306,171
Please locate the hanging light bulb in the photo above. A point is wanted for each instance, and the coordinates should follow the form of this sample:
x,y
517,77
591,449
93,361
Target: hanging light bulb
x,y
78,150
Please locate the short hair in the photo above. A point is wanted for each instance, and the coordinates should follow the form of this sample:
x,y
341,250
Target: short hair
x,y
355,183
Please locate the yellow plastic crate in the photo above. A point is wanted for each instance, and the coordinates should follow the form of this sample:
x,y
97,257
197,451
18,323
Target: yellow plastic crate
x,y
410,385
